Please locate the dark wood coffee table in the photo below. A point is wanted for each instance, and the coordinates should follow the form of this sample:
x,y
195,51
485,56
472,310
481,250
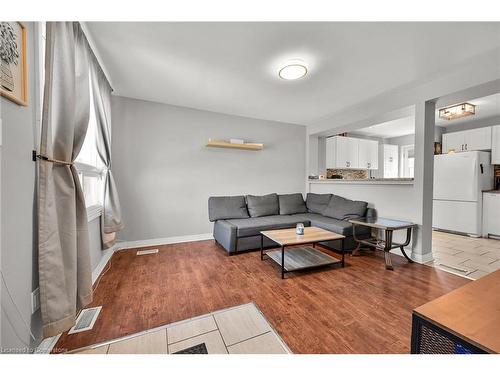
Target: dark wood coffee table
x,y
386,245
299,258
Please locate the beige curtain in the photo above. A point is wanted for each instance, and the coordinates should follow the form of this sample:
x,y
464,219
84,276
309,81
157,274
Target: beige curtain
x,y
111,219
64,259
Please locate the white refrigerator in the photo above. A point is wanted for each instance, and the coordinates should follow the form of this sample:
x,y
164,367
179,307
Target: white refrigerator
x,y
459,179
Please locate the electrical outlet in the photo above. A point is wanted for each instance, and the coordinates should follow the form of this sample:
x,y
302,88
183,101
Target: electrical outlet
x,y
35,300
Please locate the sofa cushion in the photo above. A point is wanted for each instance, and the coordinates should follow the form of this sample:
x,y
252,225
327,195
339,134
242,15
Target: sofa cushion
x,y
317,203
343,209
263,205
338,226
252,226
220,208
306,217
292,204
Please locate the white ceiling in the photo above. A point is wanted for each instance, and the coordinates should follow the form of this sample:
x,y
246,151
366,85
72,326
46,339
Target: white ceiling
x,y
389,129
486,107
232,67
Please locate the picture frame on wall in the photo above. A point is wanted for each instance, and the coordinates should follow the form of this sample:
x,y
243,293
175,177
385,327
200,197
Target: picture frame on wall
x,y
13,62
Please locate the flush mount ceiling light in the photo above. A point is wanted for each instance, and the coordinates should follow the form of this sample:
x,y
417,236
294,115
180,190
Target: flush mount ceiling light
x,y
293,70
457,111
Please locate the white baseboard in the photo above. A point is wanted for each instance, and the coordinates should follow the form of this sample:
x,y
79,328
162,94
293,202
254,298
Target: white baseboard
x,y
415,257
106,256
163,241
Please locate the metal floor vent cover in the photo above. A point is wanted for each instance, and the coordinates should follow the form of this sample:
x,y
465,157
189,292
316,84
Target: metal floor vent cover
x,y
85,320
146,252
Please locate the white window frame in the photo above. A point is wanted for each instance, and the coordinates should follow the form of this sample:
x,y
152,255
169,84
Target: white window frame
x,y
405,150
89,171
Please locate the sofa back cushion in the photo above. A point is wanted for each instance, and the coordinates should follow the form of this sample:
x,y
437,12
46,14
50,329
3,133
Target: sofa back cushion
x,y
344,209
263,205
220,208
292,204
317,203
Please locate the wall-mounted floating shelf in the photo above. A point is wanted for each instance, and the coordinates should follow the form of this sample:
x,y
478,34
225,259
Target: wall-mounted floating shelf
x,y
240,146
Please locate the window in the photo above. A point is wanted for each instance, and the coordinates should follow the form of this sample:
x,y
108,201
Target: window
x,y
408,161
88,163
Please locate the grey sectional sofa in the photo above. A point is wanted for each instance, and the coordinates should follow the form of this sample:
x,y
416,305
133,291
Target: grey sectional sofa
x,y
239,219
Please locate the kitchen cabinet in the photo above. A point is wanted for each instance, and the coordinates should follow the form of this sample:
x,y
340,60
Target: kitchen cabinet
x,y
495,144
491,214
453,142
351,153
342,152
367,154
478,139
467,140
391,161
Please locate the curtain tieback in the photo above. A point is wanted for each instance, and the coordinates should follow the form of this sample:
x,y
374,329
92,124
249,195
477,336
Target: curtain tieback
x,y
46,158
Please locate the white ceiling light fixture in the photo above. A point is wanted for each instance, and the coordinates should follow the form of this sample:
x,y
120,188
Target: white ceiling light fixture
x,y
292,70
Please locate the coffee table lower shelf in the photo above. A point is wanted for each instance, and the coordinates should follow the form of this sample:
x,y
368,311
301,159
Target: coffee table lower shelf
x,y
301,258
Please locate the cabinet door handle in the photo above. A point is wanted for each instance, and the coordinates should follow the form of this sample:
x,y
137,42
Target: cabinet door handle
x,y
466,146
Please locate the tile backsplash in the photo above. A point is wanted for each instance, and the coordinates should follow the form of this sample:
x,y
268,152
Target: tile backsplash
x,y
348,174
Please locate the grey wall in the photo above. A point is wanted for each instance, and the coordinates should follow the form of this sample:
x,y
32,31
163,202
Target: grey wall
x,y
402,141
18,248
473,124
165,174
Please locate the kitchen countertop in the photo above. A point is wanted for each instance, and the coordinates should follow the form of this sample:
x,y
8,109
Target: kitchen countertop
x,y
380,181
492,191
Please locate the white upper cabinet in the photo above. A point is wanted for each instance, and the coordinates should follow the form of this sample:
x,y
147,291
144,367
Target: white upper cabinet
x,y
478,139
468,140
453,142
351,153
347,152
342,152
495,144
368,154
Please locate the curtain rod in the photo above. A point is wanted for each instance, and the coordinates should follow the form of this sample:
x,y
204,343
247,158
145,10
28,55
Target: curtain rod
x,y
93,48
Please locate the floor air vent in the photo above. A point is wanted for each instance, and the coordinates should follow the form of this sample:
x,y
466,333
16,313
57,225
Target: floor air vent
x,y
146,252
86,320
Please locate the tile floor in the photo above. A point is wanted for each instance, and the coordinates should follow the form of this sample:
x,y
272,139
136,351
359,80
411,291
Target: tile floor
x,y
237,330
465,256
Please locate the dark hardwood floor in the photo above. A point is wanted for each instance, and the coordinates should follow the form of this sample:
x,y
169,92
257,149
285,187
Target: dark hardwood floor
x,y
361,308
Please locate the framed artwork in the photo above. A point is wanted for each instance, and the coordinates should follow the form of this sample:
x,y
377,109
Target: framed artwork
x,y
13,65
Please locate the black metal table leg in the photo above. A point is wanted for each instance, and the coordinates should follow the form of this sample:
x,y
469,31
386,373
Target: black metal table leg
x,y
387,249
407,242
282,262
